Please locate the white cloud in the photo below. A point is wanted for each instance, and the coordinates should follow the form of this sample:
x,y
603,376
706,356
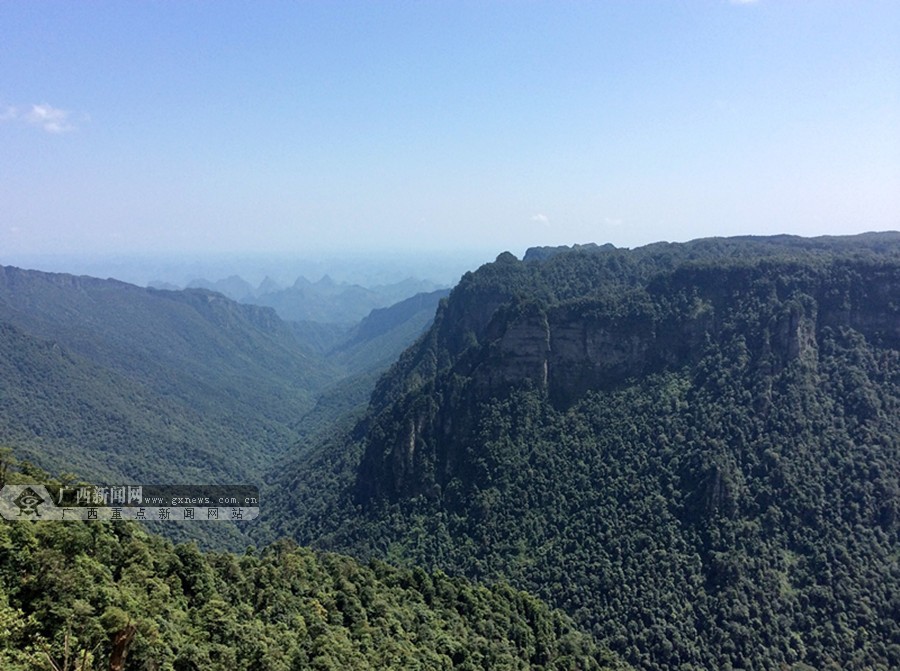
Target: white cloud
x,y
541,218
49,118
46,117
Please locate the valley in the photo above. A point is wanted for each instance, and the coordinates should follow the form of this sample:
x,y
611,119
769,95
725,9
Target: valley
x,y
689,449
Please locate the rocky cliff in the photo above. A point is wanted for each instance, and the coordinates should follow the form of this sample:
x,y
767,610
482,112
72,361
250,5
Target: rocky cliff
x,y
529,324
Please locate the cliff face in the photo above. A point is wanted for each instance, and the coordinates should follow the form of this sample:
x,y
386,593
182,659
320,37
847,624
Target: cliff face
x,y
570,349
493,337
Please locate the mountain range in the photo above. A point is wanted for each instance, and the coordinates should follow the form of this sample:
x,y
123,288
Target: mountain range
x,y
324,301
113,381
691,449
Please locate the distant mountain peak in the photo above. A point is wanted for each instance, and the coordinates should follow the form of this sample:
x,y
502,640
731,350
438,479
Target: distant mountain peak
x,y
268,285
326,281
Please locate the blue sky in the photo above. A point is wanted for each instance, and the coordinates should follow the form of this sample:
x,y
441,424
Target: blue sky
x,y
201,127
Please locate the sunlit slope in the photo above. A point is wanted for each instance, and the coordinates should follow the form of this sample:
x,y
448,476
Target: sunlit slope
x,y
691,448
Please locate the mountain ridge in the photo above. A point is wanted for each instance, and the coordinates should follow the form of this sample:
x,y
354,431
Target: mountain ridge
x,y
710,489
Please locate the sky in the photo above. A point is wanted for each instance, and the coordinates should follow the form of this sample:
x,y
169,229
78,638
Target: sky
x,y
367,127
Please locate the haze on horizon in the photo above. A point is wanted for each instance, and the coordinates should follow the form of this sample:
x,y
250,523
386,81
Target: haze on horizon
x,y
189,128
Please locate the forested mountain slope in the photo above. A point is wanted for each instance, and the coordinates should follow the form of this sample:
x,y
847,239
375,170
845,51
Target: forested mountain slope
x,y
693,449
107,595
116,383
382,336
108,378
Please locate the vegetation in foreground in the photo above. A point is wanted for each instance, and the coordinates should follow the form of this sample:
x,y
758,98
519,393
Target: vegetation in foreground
x,y
77,596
